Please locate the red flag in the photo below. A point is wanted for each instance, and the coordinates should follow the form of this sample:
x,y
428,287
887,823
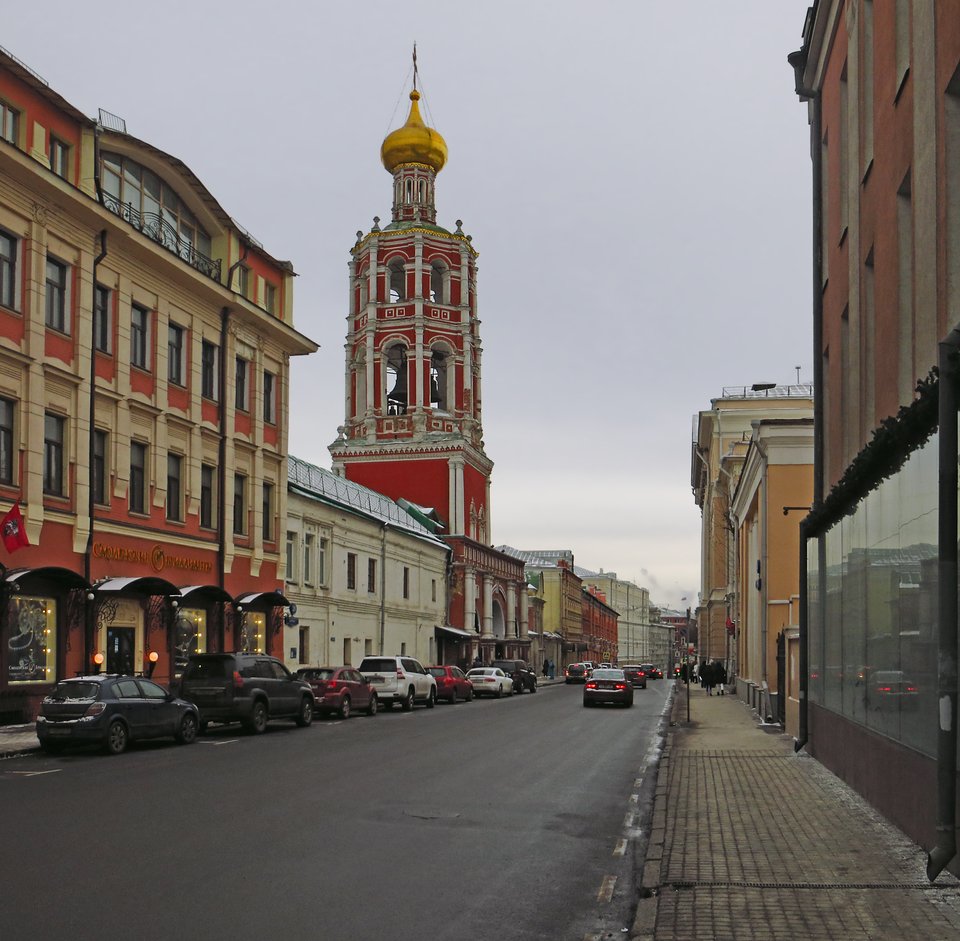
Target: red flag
x,y
12,531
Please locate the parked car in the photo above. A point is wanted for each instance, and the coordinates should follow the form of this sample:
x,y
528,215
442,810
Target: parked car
x,y
452,683
247,688
112,711
490,681
652,672
339,690
400,679
521,674
889,689
575,673
608,686
636,675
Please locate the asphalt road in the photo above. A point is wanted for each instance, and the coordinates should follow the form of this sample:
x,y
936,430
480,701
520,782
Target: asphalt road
x,y
516,819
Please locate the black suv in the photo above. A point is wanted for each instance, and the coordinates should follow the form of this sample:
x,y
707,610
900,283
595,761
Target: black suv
x,y
523,677
249,688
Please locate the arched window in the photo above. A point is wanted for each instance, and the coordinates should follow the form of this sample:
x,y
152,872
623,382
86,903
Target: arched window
x,y
409,191
395,391
439,384
420,192
397,280
360,386
438,283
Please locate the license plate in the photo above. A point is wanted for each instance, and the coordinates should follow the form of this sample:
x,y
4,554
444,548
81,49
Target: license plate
x,y
376,679
53,730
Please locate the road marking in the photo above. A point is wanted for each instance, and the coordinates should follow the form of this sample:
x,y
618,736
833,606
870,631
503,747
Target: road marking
x,y
226,741
629,821
620,848
33,774
606,889
634,798
638,783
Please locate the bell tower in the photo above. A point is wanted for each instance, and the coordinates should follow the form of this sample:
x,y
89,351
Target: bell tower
x,y
412,428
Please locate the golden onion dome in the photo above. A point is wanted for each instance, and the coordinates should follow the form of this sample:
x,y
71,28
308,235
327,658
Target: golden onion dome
x,y
414,142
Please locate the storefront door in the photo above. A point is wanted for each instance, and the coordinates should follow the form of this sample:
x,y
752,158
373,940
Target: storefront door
x,y
121,647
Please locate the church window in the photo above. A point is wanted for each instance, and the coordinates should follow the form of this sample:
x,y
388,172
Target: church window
x,y
420,193
397,279
396,387
437,283
409,191
438,380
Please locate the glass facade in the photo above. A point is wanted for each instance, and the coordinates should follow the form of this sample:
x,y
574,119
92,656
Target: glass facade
x,y
253,634
872,608
191,636
31,640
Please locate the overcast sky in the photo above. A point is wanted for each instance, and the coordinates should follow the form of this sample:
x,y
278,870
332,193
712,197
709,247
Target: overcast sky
x,y
635,176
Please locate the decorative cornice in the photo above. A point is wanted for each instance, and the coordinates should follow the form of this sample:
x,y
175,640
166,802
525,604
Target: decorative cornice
x,y
411,230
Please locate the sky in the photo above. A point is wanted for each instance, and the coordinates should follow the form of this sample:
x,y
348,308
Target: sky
x,y
635,175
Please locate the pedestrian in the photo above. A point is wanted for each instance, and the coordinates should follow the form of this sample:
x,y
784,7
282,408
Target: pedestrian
x,y
720,676
546,668
707,677
477,662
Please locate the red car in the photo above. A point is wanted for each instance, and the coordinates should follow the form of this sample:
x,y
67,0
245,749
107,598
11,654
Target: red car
x,y
452,683
340,690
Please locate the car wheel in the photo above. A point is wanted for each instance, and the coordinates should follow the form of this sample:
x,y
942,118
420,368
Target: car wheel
x,y
499,691
407,704
345,707
117,738
469,695
533,688
452,698
431,698
305,715
187,733
257,723
374,704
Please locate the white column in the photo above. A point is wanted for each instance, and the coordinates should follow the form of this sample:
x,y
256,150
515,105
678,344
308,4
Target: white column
x,y
469,599
487,606
511,626
524,607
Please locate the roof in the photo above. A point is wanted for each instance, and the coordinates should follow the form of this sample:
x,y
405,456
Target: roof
x,y
321,484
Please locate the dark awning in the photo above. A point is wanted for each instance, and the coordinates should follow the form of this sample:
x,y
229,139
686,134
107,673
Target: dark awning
x,y
203,594
262,599
143,586
33,580
456,631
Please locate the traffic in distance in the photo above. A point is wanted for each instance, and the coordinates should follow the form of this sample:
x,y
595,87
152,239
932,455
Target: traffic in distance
x,y
112,710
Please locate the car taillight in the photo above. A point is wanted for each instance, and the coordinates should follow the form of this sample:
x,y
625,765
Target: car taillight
x,y
621,686
911,689
401,675
591,685
95,709
237,680
884,689
332,684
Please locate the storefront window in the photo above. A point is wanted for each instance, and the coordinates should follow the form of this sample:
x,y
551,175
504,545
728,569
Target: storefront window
x,y
191,636
254,633
31,647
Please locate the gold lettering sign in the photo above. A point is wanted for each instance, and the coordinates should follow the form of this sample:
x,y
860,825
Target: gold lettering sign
x,y
157,557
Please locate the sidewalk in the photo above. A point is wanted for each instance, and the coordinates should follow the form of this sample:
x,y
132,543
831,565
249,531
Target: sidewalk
x,y
16,739
752,841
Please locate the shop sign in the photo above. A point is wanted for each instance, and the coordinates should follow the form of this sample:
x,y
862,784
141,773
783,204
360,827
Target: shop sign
x,y
156,557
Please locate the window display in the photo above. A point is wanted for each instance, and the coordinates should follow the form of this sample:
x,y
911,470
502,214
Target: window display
x,y
31,640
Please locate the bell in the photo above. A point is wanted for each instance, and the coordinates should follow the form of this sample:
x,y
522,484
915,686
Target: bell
x,y
434,389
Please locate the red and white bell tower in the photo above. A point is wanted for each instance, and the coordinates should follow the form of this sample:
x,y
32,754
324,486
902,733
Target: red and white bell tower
x,y
412,428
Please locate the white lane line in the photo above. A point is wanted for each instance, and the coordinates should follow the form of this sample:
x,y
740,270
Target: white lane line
x,y
638,783
634,798
33,774
629,821
606,889
225,741
620,848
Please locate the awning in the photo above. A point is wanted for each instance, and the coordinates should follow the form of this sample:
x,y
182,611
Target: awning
x,y
424,515
456,631
31,579
263,599
200,594
143,586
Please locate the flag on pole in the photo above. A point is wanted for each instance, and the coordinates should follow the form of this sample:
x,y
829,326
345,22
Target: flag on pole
x,y
12,530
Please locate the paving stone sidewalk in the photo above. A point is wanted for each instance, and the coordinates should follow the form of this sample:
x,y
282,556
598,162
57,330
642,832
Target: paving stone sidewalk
x,y
752,841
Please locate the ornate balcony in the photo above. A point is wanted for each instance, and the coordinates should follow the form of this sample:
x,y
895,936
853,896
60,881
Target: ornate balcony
x,y
161,232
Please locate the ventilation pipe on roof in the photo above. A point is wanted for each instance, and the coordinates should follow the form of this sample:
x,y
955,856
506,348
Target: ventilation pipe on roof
x,y
946,848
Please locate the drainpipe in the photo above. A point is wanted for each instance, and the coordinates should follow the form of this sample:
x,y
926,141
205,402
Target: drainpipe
x,y
383,582
798,61
946,848
222,450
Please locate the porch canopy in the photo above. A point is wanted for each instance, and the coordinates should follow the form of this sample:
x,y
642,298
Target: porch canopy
x,y
35,581
456,631
203,595
143,586
262,600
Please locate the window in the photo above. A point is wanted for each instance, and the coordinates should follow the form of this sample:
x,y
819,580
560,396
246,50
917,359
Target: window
x,y
242,384
8,270
206,496
322,561
56,296
209,374
397,279
396,390
371,575
269,398
351,570
243,280
438,381
59,157
6,441
436,283
33,639
291,557
101,318
308,542
270,298
175,364
239,504
100,467
174,490
268,512
53,426
304,645
139,332
433,589
9,123
406,582
138,476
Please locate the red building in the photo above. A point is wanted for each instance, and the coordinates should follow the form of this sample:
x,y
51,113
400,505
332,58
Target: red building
x,y
413,392
144,359
599,626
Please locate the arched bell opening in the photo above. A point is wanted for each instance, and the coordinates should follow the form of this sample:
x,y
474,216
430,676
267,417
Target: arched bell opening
x,y
396,385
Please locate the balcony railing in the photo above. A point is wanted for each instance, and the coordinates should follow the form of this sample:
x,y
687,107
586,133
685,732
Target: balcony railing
x,y
161,232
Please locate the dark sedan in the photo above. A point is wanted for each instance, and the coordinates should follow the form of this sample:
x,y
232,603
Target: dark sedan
x,y
112,711
340,690
608,686
636,675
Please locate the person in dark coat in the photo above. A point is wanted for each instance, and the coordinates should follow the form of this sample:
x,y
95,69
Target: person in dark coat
x,y
546,668
707,677
719,676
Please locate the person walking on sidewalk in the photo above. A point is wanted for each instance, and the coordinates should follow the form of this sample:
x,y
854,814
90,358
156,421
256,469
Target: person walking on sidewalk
x,y
707,677
719,676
